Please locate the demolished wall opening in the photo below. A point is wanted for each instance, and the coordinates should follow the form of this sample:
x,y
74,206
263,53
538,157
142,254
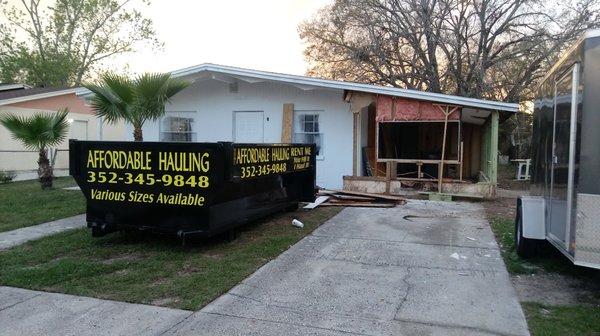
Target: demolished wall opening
x,y
411,142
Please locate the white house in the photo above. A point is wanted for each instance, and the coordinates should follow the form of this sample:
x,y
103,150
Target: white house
x,y
233,104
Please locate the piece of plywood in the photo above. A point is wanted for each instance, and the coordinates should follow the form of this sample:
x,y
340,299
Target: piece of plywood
x,y
287,123
319,201
352,197
358,193
461,195
362,205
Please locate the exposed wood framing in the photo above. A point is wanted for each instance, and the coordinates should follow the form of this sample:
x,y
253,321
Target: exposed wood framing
x,y
391,169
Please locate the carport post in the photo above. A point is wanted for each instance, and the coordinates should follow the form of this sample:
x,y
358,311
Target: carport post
x,y
447,113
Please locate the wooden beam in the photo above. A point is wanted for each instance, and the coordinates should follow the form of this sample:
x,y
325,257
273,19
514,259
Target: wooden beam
x,y
360,193
287,123
447,112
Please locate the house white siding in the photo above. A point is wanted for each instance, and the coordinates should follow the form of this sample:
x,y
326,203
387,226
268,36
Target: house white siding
x,y
212,105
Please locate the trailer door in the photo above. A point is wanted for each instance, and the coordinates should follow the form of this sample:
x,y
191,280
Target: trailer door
x,y
561,183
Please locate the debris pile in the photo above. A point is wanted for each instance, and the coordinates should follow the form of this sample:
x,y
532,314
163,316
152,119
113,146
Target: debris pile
x,y
355,199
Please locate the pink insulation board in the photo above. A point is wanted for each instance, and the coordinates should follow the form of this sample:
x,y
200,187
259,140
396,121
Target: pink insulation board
x,y
401,109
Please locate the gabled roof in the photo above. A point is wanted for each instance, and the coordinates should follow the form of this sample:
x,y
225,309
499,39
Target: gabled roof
x,y
18,96
307,83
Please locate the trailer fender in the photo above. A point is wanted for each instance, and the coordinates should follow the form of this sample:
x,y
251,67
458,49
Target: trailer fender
x,y
533,216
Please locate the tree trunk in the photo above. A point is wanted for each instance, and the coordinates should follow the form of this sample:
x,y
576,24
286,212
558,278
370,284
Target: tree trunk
x,y
44,170
137,134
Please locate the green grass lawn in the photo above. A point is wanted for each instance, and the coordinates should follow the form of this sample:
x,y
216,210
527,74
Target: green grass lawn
x,y
562,320
24,203
152,269
543,319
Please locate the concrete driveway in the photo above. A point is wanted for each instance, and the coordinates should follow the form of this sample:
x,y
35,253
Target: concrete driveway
x,y
425,268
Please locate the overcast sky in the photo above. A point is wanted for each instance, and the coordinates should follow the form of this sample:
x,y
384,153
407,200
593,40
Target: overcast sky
x,y
258,34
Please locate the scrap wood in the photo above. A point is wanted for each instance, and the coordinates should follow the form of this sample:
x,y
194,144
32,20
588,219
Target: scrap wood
x,y
352,198
358,193
361,204
341,200
320,200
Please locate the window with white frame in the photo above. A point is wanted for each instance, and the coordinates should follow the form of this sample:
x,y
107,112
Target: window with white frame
x,y
307,129
177,127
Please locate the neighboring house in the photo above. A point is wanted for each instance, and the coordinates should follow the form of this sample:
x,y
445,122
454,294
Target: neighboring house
x,y
25,101
363,132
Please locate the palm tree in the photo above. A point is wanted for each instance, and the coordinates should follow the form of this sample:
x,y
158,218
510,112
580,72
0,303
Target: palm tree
x,y
134,100
39,131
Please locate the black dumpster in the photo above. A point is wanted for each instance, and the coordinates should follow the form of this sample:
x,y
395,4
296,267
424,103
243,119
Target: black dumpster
x,y
188,189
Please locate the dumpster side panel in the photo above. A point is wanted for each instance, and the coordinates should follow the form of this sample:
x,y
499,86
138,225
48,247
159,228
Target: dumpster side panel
x,y
155,186
188,188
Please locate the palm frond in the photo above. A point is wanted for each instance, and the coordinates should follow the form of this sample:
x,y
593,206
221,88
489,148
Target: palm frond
x,y
135,101
57,132
113,99
39,130
173,87
120,86
153,91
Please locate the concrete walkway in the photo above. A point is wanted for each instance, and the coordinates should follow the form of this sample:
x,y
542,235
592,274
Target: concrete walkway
x,y
32,313
16,237
428,268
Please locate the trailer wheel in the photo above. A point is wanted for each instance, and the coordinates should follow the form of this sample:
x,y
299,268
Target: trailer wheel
x,y
525,247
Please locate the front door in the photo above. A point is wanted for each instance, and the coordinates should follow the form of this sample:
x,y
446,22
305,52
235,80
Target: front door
x,y
561,182
248,127
79,130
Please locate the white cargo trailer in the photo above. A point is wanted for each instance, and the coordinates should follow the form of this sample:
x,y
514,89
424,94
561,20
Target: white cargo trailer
x,y
564,208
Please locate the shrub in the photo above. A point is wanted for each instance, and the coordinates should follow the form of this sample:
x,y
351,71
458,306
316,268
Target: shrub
x,y
7,176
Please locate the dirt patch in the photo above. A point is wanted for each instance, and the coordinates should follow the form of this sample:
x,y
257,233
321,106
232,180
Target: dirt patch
x,y
160,281
214,256
188,269
166,302
501,207
121,258
556,289
506,178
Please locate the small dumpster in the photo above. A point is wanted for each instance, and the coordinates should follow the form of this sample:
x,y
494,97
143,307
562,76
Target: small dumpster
x,y
188,189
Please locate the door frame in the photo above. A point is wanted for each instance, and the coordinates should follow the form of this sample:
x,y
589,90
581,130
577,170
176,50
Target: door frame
x,y
566,245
